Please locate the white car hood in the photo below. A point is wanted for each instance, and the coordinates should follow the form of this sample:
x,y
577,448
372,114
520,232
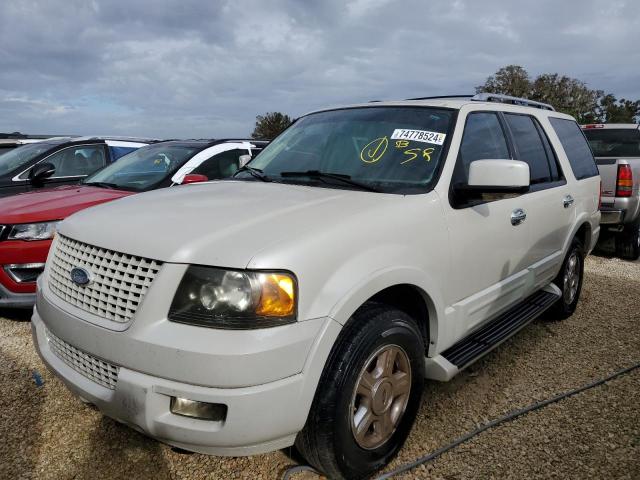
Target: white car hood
x,y
222,223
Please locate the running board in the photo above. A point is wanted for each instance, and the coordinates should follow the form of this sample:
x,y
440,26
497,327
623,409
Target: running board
x,y
444,366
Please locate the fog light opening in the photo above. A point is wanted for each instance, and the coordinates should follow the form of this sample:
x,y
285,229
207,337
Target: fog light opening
x,y
216,412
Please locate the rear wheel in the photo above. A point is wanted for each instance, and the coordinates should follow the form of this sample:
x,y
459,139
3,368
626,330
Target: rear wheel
x,y
569,280
368,395
628,242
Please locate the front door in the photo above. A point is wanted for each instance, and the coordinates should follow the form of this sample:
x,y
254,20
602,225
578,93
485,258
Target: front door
x,y
489,250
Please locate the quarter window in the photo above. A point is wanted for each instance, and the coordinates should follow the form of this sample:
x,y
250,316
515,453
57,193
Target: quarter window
x,y
576,147
483,139
529,146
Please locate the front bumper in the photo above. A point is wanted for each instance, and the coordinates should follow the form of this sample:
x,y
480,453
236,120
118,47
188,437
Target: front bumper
x,y
260,418
9,299
20,294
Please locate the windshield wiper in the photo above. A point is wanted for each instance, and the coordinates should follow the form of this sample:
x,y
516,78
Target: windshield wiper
x,y
333,176
255,172
103,184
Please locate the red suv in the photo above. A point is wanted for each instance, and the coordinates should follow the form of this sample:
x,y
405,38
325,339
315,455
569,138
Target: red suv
x,y
28,221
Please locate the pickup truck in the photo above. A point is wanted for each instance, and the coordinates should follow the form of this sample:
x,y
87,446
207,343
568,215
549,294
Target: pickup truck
x,y
616,147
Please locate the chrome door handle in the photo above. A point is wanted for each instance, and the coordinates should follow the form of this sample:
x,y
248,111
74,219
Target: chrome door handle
x,y
518,216
567,201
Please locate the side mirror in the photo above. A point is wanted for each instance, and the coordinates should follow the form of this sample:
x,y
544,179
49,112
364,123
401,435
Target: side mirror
x,y
497,176
41,171
194,178
243,160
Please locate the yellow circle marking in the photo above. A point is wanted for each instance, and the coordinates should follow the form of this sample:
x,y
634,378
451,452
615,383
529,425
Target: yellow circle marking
x,y
374,150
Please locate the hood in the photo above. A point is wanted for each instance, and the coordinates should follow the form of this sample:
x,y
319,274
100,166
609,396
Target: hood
x,y
221,223
53,203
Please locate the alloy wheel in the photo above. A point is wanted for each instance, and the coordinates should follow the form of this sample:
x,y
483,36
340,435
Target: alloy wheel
x,y
381,396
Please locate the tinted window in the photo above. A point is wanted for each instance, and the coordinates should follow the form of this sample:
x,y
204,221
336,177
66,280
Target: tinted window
x,y
483,139
576,147
77,161
222,165
529,147
614,142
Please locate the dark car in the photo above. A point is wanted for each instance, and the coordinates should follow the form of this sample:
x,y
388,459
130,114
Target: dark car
x,y
60,161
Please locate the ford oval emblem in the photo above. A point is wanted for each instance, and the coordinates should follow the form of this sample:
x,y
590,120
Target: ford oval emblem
x,y
81,276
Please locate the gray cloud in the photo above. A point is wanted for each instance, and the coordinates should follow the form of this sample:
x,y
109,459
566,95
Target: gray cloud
x,y
199,69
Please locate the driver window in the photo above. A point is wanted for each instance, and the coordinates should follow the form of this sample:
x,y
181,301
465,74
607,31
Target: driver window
x,y
483,139
77,161
222,165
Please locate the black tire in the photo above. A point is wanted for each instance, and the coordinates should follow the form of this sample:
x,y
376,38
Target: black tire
x,y
327,441
566,304
628,242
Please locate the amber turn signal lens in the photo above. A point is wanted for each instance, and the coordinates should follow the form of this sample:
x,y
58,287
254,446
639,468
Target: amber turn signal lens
x,y
277,298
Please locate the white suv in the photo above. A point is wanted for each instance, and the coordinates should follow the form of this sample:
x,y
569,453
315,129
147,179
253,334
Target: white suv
x,y
305,301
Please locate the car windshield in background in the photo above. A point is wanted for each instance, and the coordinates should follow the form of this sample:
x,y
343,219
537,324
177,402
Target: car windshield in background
x,y
20,156
144,168
614,142
389,149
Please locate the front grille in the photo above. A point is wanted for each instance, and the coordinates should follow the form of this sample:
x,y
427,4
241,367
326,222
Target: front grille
x,y
99,371
119,283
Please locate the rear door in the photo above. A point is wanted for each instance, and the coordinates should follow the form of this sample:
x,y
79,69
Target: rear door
x,y
550,203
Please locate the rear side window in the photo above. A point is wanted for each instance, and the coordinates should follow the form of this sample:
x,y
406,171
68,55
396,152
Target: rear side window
x,y
530,147
483,139
576,147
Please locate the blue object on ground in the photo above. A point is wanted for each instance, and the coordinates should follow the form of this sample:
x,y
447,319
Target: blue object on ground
x,y
37,378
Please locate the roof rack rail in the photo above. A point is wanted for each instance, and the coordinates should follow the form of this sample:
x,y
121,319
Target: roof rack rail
x,y
496,97
440,97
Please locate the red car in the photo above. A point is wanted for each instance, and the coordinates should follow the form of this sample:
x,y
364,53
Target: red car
x,y
28,221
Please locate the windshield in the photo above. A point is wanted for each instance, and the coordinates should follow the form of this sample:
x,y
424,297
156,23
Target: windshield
x,y
20,156
390,149
614,142
144,168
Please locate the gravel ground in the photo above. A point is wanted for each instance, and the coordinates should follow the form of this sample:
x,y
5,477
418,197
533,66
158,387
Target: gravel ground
x,y
47,433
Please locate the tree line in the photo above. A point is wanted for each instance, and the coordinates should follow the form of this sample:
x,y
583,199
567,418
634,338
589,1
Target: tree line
x,y
565,94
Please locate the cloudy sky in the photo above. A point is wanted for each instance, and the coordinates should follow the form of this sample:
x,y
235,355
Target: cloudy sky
x,y
183,68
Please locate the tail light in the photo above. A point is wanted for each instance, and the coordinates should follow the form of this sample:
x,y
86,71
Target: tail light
x,y
600,196
624,186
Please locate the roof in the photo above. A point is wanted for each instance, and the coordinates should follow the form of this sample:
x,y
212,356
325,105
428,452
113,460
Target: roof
x,y
203,142
457,102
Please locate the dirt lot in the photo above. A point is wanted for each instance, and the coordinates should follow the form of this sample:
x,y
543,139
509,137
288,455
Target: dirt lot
x,y
47,433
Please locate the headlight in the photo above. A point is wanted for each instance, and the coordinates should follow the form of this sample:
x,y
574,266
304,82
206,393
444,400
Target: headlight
x,y
234,299
33,231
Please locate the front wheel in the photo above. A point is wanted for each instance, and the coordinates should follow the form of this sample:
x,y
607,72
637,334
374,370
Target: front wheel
x,y
368,394
569,280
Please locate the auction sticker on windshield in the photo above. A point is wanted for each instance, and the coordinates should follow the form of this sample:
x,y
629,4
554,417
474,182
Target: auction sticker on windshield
x,y
418,136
